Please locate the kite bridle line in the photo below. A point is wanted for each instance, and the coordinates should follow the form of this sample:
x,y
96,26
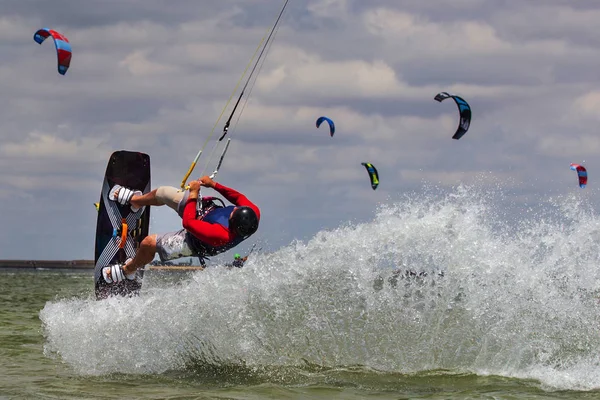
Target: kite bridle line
x,y
226,127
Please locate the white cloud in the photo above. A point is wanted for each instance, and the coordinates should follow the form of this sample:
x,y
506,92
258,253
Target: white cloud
x,y
575,147
416,35
564,23
302,72
45,146
138,64
588,104
329,8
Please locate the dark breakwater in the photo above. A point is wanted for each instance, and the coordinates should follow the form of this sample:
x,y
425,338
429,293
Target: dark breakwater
x,y
49,264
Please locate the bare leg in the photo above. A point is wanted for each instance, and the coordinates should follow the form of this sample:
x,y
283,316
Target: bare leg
x,y
164,195
143,256
148,199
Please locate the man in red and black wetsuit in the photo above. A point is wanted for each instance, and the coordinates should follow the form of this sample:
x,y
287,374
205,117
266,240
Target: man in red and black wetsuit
x,y
213,230
220,228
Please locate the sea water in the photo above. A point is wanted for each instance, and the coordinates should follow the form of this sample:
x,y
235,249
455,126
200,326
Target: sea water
x,y
438,284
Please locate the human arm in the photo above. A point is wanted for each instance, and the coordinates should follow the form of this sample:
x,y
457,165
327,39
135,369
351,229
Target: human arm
x,y
231,195
194,189
211,234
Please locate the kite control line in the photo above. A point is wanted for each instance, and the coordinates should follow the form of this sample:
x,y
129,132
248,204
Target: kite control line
x,y
216,171
212,176
266,40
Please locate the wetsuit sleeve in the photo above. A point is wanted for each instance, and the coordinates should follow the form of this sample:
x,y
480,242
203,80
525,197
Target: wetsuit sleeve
x,y
211,234
236,198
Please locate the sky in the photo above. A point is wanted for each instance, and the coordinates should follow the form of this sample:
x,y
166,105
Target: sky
x,y
154,76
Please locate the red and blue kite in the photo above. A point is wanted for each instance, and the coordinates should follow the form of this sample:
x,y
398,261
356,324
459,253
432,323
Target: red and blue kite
x,y
63,47
581,173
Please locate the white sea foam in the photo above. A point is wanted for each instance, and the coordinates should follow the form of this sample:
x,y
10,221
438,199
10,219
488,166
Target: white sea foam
x,y
518,297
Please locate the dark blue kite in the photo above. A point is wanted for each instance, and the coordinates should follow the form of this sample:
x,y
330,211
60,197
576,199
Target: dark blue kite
x,y
463,108
329,121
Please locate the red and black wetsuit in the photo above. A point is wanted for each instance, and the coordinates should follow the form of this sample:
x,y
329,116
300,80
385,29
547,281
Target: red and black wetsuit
x,y
209,234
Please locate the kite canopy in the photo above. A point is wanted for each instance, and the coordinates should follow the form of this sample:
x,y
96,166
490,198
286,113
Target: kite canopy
x,y
63,47
329,121
463,108
373,175
581,174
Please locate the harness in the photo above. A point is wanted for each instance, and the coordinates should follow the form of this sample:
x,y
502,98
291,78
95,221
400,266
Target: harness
x,y
208,209
204,205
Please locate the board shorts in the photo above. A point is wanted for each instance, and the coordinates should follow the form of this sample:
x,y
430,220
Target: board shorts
x,y
172,245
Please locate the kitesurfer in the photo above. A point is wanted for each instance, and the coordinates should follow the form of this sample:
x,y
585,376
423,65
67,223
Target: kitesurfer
x,y
207,231
238,261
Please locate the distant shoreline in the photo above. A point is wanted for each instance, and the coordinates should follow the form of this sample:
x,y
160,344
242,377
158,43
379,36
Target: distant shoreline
x,y
50,264
78,264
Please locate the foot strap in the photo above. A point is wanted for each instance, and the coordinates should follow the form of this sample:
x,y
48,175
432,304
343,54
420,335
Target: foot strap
x,y
123,195
115,273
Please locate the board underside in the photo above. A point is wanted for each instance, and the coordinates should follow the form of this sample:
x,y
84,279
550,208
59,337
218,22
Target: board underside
x,y
131,170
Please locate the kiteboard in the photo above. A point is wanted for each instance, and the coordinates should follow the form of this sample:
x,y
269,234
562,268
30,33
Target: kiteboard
x,y
119,230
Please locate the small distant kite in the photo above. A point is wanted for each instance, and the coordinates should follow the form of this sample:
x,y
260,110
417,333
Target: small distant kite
x,y
372,174
463,108
63,47
581,173
329,121
97,206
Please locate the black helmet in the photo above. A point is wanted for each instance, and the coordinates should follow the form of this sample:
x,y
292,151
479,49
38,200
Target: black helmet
x,y
244,221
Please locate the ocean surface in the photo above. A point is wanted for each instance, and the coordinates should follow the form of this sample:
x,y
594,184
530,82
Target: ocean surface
x,y
440,296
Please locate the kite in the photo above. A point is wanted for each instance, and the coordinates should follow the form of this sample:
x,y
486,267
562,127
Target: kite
x,y
372,174
463,108
581,173
63,47
329,121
